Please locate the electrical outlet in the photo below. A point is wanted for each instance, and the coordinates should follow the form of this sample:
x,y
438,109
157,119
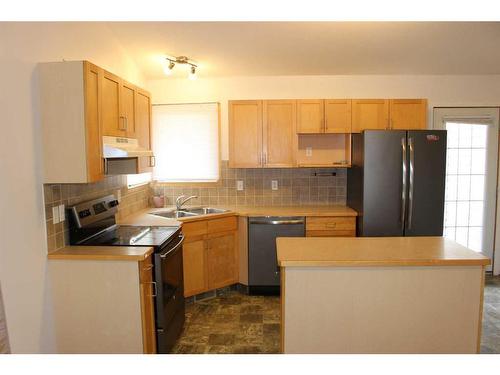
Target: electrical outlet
x,y
309,151
239,185
62,215
274,184
55,215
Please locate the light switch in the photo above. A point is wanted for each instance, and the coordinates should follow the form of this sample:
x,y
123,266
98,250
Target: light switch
x,y
62,216
274,184
55,215
309,151
239,185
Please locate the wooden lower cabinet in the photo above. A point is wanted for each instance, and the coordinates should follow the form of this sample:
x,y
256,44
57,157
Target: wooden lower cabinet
x,y
222,260
330,226
210,254
147,306
195,266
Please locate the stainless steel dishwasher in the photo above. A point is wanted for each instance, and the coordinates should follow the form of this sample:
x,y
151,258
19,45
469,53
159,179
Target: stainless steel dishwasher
x,y
263,271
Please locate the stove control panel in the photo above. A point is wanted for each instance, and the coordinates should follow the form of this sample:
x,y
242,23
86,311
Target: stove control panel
x,y
87,213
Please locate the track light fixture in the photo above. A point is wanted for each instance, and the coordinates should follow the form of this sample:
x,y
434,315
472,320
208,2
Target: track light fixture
x,y
183,60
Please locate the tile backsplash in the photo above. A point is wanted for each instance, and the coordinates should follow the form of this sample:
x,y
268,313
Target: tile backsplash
x,y
296,186
132,200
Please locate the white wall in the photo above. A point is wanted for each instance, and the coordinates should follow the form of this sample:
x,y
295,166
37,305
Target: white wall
x,y
440,90
23,248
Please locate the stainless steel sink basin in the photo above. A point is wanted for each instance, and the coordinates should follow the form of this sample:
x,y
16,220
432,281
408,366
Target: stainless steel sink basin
x,y
205,210
189,212
174,214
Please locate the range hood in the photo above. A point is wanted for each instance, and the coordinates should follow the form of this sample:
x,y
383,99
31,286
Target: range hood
x,y
117,147
121,155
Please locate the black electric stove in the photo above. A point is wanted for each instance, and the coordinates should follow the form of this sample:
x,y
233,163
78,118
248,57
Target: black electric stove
x,y
93,223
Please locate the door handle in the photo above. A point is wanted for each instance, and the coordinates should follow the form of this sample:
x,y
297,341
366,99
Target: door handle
x,y
412,181
403,183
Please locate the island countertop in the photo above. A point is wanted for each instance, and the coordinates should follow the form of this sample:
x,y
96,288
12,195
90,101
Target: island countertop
x,y
375,251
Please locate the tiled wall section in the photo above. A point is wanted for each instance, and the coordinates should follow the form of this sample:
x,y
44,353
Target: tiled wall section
x,y
296,186
4,339
132,200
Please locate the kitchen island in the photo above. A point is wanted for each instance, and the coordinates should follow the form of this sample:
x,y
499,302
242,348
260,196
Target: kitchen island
x,y
380,295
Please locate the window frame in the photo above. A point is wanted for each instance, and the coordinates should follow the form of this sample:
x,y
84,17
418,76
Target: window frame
x,y
218,182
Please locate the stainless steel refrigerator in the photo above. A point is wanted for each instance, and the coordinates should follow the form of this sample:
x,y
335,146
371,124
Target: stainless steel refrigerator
x,y
397,182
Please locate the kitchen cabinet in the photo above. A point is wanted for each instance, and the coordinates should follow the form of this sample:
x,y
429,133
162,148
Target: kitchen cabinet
x,y
408,114
245,134
338,115
280,139
310,116
79,104
262,133
370,114
210,254
330,226
103,304
143,128
70,106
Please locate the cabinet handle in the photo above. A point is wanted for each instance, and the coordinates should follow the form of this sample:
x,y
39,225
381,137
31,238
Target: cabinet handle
x,y
155,290
121,125
126,123
331,225
149,267
265,158
152,161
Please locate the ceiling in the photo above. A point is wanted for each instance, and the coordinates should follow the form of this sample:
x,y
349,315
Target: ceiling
x,y
314,48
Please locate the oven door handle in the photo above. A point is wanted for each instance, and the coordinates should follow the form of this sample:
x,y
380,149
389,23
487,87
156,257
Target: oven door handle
x,y
164,255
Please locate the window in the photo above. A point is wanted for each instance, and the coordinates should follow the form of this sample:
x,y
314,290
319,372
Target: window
x,y
186,142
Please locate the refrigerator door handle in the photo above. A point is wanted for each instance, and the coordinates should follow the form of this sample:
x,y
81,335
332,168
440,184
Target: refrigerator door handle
x,y
404,188
412,180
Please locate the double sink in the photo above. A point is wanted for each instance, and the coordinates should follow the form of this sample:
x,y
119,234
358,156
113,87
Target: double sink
x,y
189,212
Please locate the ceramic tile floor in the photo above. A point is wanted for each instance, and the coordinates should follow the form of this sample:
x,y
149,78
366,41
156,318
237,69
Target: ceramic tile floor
x,y
238,323
490,340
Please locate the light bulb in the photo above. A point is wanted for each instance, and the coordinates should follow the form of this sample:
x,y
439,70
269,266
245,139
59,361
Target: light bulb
x,y
192,73
167,69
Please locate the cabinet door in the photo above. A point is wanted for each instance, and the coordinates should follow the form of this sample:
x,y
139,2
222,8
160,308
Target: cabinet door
x,y
143,128
408,114
245,134
369,114
310,116
147,306
280,136
222,260
93,92
127,103
338,116
195,267
112,122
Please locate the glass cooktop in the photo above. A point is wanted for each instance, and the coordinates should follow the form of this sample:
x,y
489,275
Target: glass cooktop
x,y
128,235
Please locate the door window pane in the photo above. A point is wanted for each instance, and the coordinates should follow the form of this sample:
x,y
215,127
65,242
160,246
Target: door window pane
x,y
465,183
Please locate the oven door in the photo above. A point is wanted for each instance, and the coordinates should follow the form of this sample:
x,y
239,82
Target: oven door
x,y
169,301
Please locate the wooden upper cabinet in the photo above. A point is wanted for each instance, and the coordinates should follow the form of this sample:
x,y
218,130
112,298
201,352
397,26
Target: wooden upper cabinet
x,y
128,108
93,136
310,116
112,122
245,134
279,130
143,128
408,113
370,114
338,115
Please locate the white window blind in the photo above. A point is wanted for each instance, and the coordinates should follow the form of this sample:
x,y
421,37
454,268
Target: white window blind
x,y
186,142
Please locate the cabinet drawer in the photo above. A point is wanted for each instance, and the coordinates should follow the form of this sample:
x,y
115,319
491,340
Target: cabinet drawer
x,y
223,225
196,228
146,270
318,223
331,233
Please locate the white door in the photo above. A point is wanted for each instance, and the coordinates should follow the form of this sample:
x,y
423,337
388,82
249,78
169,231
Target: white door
x,y
471,176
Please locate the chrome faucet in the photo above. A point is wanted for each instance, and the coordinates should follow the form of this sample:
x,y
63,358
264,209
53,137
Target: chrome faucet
x,y
181,199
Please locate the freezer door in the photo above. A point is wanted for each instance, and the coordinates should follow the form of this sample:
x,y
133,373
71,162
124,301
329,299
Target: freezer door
x,y
427,167
383,170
